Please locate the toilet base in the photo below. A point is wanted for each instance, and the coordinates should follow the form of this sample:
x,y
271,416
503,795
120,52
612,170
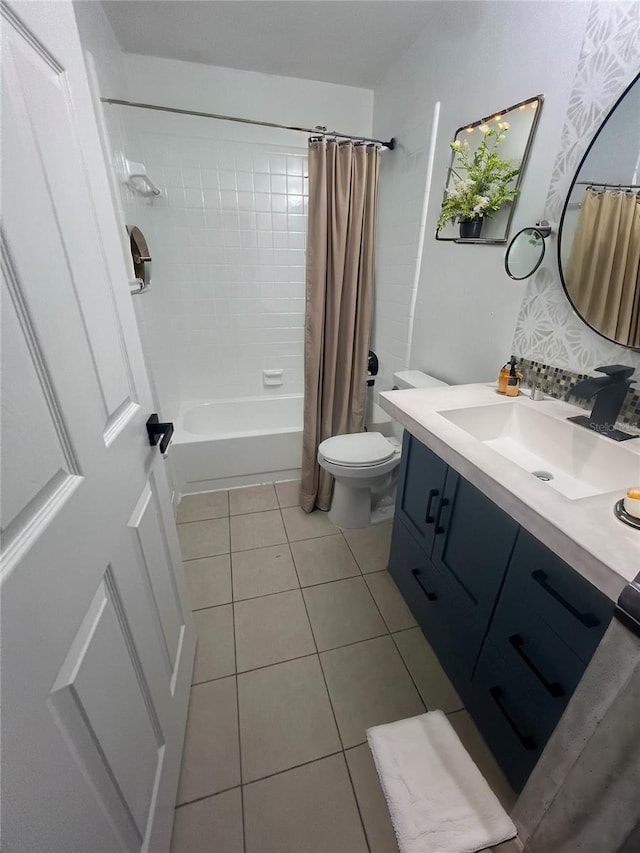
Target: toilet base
x,y
350,507
354,508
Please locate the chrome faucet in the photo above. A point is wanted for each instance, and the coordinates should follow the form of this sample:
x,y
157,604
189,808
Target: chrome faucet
x,y
609,392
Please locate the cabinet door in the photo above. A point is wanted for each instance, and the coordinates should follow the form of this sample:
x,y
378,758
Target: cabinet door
x,y
449,625
421,489
473,543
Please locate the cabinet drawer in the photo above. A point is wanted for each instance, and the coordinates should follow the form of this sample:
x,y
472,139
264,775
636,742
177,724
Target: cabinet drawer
x,y
451,629
508,717
574,609
535,654
420,489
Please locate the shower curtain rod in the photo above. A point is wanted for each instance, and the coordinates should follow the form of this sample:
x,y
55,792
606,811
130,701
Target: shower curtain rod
x,y
608,186
315,131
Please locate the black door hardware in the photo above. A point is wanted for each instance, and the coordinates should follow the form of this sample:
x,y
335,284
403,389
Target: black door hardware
x,y
589,620
430,595
526,740
155,429
429,519
439,528
553,687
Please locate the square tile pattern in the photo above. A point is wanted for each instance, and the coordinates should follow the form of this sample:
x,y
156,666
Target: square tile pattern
x,y
303,643
209,581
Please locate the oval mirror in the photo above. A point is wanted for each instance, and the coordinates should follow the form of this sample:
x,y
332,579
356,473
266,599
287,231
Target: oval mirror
x,y
525,253
599,235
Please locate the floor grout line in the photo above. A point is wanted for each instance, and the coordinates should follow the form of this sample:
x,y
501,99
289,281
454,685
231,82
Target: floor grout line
x,y
235,661
406,666
355,797
294,767
324,679
308,655
206,797
234,600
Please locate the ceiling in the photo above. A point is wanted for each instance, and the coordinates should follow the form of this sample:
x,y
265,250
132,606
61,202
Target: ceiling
x,y
352,42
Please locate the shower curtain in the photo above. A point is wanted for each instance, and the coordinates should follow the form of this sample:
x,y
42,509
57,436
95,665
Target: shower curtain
x,y
603,273
343,179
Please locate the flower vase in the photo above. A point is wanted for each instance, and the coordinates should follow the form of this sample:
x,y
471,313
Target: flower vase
x,y
471,229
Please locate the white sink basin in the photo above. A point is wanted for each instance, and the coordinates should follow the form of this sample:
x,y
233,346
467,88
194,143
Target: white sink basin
x,y
573,460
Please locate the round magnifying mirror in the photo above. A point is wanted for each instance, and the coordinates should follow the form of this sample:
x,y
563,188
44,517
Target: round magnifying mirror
x,y
525,253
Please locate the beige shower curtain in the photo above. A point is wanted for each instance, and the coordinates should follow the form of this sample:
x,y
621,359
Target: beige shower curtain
x,y
603,273
343,180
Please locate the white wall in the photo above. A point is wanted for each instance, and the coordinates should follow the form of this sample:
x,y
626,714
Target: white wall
x,y
494,55
548,329
266,97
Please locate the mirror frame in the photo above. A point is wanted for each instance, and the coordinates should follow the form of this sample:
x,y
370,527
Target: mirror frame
x,y
495,241
540,259
635,80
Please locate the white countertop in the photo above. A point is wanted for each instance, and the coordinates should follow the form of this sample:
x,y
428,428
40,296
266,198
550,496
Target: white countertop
x,y
583,532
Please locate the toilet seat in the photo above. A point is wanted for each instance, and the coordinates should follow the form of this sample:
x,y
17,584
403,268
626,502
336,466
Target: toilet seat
x,y
357,450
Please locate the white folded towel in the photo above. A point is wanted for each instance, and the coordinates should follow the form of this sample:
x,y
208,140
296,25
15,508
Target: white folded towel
x,y
438,800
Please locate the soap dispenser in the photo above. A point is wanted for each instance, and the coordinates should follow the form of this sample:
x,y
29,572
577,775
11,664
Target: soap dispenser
x,y
503,376
513,380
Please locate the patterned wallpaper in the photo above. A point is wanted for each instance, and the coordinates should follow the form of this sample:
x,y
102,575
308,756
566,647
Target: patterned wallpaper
x,y
548,330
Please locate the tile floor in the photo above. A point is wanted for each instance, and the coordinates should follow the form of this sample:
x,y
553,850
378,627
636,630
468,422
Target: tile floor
x,y
303,643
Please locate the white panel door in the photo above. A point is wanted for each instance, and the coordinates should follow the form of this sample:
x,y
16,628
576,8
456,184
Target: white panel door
x,y
97,636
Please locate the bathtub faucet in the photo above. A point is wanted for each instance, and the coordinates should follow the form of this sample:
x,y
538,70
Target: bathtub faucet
x,y
609,391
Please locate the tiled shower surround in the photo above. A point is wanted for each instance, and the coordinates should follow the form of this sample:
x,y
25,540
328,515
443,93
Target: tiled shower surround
x,y
227,237
230,238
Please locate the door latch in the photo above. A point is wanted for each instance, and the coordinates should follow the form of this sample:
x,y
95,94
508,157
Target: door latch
x,y
155,429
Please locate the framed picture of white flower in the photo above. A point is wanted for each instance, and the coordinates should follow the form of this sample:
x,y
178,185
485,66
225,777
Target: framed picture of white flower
x,y
488,158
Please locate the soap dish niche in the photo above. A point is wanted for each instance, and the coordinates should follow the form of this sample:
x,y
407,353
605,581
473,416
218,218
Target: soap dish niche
x,y
134,175
272,377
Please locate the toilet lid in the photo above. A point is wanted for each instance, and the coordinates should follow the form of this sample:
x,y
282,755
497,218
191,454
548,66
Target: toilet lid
x,y
357,449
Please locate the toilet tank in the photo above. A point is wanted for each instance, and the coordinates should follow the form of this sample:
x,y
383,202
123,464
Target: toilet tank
x,y
415,379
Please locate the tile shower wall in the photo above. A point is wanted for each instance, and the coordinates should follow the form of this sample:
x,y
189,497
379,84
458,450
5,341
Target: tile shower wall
x,y
229,234
229,265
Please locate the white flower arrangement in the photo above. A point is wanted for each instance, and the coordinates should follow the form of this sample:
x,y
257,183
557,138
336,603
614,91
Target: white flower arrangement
x,y
485,186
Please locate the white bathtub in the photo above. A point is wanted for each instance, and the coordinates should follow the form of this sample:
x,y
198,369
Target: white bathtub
x,y
225,443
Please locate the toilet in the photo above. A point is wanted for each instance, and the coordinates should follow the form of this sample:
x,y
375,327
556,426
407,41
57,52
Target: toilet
x,y
365,467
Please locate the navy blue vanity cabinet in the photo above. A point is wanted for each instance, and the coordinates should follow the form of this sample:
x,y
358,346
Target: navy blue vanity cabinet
x,y
473,543
512,624
547,625
448,534
420,489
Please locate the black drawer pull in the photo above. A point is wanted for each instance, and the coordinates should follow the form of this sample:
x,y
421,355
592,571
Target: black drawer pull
x,y
589,620
443,503
430,595
526,740
552,687
429,519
